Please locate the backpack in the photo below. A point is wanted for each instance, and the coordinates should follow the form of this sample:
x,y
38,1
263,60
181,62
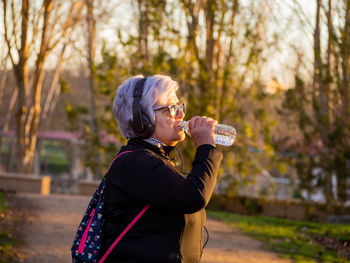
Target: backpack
x,y
87,243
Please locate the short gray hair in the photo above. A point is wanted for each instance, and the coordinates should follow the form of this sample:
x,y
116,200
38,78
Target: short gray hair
x,y
122,104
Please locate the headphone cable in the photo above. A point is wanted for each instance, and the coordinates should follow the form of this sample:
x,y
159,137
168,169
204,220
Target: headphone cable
x,y
206,241
181,159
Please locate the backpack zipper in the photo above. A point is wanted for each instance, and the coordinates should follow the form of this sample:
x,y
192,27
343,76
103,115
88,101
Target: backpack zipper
x,y
83,238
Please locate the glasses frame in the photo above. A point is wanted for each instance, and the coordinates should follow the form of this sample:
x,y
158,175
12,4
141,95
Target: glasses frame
x,y
173,108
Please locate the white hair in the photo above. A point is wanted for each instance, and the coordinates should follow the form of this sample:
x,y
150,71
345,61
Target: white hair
x,y
154,87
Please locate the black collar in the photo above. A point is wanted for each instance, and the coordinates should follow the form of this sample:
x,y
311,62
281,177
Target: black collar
x,y
162,150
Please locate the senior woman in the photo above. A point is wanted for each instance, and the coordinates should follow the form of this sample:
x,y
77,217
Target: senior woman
x,y
149,114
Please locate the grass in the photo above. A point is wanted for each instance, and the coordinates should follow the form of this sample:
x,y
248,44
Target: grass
x,y
297,240
7,240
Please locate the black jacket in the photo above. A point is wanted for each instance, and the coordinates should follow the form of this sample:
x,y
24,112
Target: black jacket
x,y
171,229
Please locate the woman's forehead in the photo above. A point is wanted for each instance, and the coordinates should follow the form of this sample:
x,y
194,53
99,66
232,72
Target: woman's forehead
x,y
167,98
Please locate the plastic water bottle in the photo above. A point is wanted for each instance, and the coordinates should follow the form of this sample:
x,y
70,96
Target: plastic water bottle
x,y
224,134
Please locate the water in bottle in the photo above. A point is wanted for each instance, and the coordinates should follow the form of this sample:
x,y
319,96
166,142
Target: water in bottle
x,y
224,134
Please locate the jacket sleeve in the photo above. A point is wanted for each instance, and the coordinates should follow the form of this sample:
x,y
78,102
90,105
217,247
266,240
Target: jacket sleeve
x,y
148,179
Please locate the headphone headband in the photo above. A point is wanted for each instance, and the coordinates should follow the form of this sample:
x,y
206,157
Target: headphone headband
x,y
136,106
141,124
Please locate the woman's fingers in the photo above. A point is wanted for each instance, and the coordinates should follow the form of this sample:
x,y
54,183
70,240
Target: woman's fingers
x,y
202,130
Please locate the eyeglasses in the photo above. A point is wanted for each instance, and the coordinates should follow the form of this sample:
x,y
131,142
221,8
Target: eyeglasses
x,y
173,109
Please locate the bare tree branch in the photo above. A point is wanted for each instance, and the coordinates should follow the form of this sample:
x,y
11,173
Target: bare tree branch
x,y
6,35
14,23
35,23
54,89
303,18
24,31
74,15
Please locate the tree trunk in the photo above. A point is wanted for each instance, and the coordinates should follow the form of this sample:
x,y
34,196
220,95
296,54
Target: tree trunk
x,y
345,54
143,29
343,158
94,136
33,117
21,74
51,99
342,172
209,87
320,106
227,63
317,55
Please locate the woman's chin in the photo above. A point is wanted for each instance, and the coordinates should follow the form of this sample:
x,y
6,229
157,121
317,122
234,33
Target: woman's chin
x,y
182,136
178,138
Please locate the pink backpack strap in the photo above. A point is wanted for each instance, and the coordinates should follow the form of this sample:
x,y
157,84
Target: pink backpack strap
x,y
127,228
123,233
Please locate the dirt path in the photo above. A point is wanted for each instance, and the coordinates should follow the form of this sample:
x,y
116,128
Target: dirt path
x,y
229,245
52,221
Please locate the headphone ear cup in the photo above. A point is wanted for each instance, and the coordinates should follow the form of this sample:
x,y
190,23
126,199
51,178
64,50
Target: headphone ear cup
x,y
148,127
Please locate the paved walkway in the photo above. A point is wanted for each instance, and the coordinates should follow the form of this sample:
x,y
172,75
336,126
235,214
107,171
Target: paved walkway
x,y
52,221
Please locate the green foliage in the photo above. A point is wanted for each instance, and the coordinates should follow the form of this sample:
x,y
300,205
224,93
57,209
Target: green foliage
x,y
297,240
64,86
2,203
7,240
77,115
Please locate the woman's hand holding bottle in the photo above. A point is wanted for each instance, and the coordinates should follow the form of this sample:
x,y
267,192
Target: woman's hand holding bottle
x,y
202,130
224,134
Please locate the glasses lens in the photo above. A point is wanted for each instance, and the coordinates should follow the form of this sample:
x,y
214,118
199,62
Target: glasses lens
x,y
183,108
175,107
173,110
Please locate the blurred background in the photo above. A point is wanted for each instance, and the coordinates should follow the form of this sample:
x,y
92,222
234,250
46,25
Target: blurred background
x,y
278,71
